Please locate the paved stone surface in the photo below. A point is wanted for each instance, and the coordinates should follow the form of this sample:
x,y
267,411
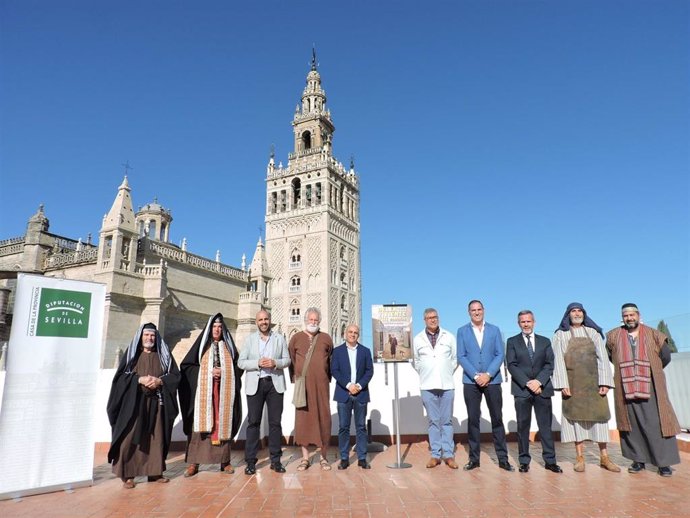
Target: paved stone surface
x,y
355,493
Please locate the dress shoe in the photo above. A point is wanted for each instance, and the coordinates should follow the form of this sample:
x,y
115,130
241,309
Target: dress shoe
x,y
636,467
191,470
471,465
277,467
450,462
226,467
433,462
606,463
553,467
363,464
524,468
504,464
129,483
250,469
665,471
344,464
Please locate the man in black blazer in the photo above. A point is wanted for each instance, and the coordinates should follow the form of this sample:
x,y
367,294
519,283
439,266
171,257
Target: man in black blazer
x,y
530,363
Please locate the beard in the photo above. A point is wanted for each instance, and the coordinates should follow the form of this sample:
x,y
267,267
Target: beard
x,y
631,326
148,345
577,320
312,329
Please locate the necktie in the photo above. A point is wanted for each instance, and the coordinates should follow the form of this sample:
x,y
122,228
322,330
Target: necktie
x,y
530,349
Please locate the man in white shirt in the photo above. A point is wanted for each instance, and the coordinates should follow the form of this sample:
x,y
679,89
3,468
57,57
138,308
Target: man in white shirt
x,y
435,360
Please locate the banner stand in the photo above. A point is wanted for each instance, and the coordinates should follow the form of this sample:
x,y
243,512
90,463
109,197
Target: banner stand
x,y
396,420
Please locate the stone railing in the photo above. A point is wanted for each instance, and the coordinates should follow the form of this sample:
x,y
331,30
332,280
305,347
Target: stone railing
x,y
87,256
11,246
173,253
251,296
306,152
151,270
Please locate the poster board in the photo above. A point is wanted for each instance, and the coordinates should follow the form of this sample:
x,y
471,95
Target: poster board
x,y
392,332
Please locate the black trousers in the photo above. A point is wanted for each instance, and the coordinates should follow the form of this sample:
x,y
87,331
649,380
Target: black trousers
x,y
542,410
494,400
265,394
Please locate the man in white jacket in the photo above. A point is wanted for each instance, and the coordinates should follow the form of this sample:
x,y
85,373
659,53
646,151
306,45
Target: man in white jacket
x,y
435,360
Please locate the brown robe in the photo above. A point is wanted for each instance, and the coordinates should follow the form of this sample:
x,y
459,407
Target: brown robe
x,y
313,422
146,458
653,340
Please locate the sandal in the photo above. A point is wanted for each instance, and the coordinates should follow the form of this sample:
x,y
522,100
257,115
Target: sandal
x,y
129,483
325,466
303,465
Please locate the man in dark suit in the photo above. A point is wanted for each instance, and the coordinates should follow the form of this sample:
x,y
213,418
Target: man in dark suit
x,y
352,367
481,354
530,363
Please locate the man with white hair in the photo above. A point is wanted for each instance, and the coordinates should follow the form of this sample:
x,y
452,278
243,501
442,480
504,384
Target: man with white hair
x,y
310,356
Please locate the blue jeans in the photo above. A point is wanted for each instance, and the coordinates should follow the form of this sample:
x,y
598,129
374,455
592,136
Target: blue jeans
x,y
439,409
345,411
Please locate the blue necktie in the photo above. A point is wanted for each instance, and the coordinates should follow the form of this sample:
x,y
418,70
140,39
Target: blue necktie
x,y
530,349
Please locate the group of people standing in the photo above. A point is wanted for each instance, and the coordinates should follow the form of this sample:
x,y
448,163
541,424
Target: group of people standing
x,y
142,406
576,363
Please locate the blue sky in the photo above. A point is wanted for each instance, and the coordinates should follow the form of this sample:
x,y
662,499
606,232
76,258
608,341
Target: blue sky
x,y
526,153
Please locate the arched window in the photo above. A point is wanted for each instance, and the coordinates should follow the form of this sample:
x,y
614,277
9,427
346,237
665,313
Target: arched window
x,y
296,192
342,252
343,299
342,279
306,140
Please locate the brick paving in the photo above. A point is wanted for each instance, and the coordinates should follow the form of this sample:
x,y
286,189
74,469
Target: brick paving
x,y
355,493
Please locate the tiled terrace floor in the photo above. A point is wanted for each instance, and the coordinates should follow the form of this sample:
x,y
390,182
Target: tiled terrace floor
x,y
380,492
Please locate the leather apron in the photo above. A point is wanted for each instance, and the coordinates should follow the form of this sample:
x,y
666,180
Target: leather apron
x,y
585,403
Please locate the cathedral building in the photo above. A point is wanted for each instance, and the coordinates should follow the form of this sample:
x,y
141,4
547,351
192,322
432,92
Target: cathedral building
x,y
310,257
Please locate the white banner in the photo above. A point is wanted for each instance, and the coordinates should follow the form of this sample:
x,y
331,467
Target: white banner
x,y
47,414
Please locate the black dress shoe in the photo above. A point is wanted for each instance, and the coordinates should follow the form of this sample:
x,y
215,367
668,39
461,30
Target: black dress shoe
x,y
665,471
277,467
471,465
636,467
344,464
553,467
363,464
250,469
524,468
504,464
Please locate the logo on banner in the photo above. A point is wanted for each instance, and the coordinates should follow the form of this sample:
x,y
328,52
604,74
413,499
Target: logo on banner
x,y
62,313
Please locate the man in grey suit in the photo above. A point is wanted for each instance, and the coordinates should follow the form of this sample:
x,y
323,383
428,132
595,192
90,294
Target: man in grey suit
x,y
530,363
263,357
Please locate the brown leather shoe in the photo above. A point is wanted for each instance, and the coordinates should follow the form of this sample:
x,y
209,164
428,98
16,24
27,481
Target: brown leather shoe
x,y
433,462
191,470
450,462
579,465
227,468
606,463
129,483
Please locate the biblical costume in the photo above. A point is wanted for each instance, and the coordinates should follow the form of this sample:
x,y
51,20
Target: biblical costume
x,y
645,417
582,365
211,407
142,418
313,422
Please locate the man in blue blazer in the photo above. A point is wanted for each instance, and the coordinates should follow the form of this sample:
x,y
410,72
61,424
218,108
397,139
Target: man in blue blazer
x,y
481,354
530,363
352,367
263,357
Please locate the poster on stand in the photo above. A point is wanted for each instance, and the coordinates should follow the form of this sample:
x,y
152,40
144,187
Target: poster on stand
x,y
392,332
47,418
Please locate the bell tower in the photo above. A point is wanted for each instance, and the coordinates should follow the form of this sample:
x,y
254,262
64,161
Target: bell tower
x,y
312,224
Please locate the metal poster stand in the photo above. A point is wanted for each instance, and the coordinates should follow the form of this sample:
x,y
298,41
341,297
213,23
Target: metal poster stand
x,y
398,464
